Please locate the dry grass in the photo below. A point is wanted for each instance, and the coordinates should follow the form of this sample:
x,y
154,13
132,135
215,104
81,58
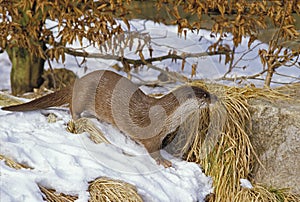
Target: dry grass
x,y
224,149
85,125
226,153
260,193
50,195
105,189
11,163
101,189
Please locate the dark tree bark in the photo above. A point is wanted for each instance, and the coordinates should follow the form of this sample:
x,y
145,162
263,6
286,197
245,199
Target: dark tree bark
x,y
26,71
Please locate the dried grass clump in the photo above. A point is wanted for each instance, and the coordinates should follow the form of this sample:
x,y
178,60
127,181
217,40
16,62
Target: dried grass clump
x,y
86,125
260,193
105,189
11,163
101,189
223,148
50,195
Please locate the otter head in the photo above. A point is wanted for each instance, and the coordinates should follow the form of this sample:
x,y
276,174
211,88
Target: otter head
x,y
204,97
185,93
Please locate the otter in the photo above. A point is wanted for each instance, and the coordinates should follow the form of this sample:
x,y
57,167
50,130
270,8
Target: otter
x,y
116,100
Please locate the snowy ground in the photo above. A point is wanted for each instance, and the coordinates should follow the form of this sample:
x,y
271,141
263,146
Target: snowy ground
x,y
67,162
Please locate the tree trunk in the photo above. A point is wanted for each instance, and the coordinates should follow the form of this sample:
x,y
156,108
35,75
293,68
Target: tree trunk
x,y
26,72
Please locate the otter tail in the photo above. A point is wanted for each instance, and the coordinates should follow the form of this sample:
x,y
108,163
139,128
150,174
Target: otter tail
x,y
57,98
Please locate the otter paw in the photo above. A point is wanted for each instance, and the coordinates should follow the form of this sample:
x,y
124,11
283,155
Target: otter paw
x,y
164,162
160,160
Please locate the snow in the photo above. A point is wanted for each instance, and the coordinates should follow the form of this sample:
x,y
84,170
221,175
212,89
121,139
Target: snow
x,y
246,183
67,162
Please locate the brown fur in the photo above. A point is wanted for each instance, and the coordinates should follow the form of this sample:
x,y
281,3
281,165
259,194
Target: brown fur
x,y
116,100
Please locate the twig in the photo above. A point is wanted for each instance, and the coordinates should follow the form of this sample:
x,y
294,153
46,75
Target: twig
x,y
288,76
293,63
241,58
231,66
254,76
276,82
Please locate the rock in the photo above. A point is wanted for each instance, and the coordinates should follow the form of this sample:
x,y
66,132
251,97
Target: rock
x,y
276,140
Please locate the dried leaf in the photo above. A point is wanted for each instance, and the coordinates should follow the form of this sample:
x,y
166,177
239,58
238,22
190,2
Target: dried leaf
x,y
251,40
221,8
174,53
126,66
126,23
194,68
176,12
150,51
183,64
142,57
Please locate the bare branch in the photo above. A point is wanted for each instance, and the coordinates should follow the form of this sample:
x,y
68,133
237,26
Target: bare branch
x,y
254,76
76,53
288,76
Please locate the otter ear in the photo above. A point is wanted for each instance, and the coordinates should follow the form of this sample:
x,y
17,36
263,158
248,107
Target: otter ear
x,y
190,96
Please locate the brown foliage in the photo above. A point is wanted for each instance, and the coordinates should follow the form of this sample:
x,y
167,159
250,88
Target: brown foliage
x,y
23,23
243,18
240,18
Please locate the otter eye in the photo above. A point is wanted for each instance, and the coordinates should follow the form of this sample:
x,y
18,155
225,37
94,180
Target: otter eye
x,y
205,95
